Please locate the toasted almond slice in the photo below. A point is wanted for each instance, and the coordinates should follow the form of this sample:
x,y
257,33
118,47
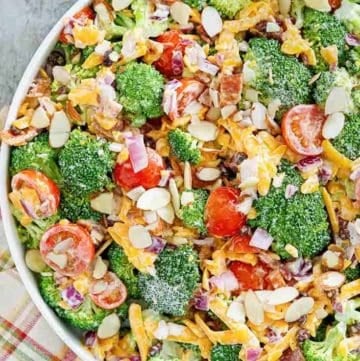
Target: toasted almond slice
x,y
187,176
282,295
187,198
254,309
175,197
120,4
100,268
208,174
332,260
116,147
333,125
59,130
99,287
211,21
180,12
203,130
258,115
34,260
61,74
337,101
293,251
245,205
331,280
175,329
153,199
228,110
167,213
103,203
320,5
109,326
150,217
40,119
135,193
139,236
299,308
64,245
59,259
236,311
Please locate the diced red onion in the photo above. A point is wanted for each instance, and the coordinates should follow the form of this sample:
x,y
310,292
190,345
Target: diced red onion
x,y
169,103
207,67
261,239
73,298
272,335
29,209
352,40
157,245
299,268
324,174
201,301
290,191
155,349
253,354
338,307
90,338
177,63
308,163
225,282
137,152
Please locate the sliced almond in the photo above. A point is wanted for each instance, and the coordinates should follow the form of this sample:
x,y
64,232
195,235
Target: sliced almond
x,y
180,12
175,197
293,251
120,4
150,217
187,198
99,287
254,309
34,260
236,311
228,110
337,101
61,74
283,295
109,326
208,174
40,119
116,147
100,268
258,115
332,260
64,245
187,176
284,7
59,259
211,21
59,130
135,193
333,125
153,199
175,329
103,203
245,205
139,237
299,308
167,213
331,280
203,130
320,5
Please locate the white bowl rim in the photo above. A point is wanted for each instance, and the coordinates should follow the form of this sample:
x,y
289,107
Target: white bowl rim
x,y
15,246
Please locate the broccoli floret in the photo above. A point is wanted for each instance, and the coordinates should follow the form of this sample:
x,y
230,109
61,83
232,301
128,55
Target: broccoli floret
x,y
351,314
300,220
184,146
321,30
31,234
193,214
85,163
193,351
228,8
352,273
329,80
120,265
86,317
140,88
177,276
68,51
197,4
352,62
143,18
159,358
324,350
355,98
82,73
225,352
37,155
273,74
74,207
349,14
297,12
348,141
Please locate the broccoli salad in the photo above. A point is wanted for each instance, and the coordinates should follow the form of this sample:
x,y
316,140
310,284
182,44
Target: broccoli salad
x,y
185,179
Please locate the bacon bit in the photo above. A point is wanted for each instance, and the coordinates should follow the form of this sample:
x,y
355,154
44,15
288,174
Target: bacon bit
x,y
230,89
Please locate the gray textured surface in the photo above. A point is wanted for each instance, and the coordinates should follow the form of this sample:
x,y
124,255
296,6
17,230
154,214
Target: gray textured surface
x,y
23,25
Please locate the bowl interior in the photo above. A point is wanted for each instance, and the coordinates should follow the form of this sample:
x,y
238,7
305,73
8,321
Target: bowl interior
x,y
68,335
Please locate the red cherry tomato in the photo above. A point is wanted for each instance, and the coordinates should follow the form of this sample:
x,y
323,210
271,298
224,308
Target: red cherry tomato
x,y
47,192
189,91
171,61
249,277
301,128
240,244
149,177
83,15
222,217
67,248
109,292
335,4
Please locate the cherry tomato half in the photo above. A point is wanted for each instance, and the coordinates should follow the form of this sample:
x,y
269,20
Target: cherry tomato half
x,y
83,15
249,277
46,191
67,248
109,292
171,61
222,217
149,177
301,128
240,244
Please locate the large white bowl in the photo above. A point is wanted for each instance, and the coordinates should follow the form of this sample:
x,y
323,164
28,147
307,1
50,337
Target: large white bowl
x,y
68,335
